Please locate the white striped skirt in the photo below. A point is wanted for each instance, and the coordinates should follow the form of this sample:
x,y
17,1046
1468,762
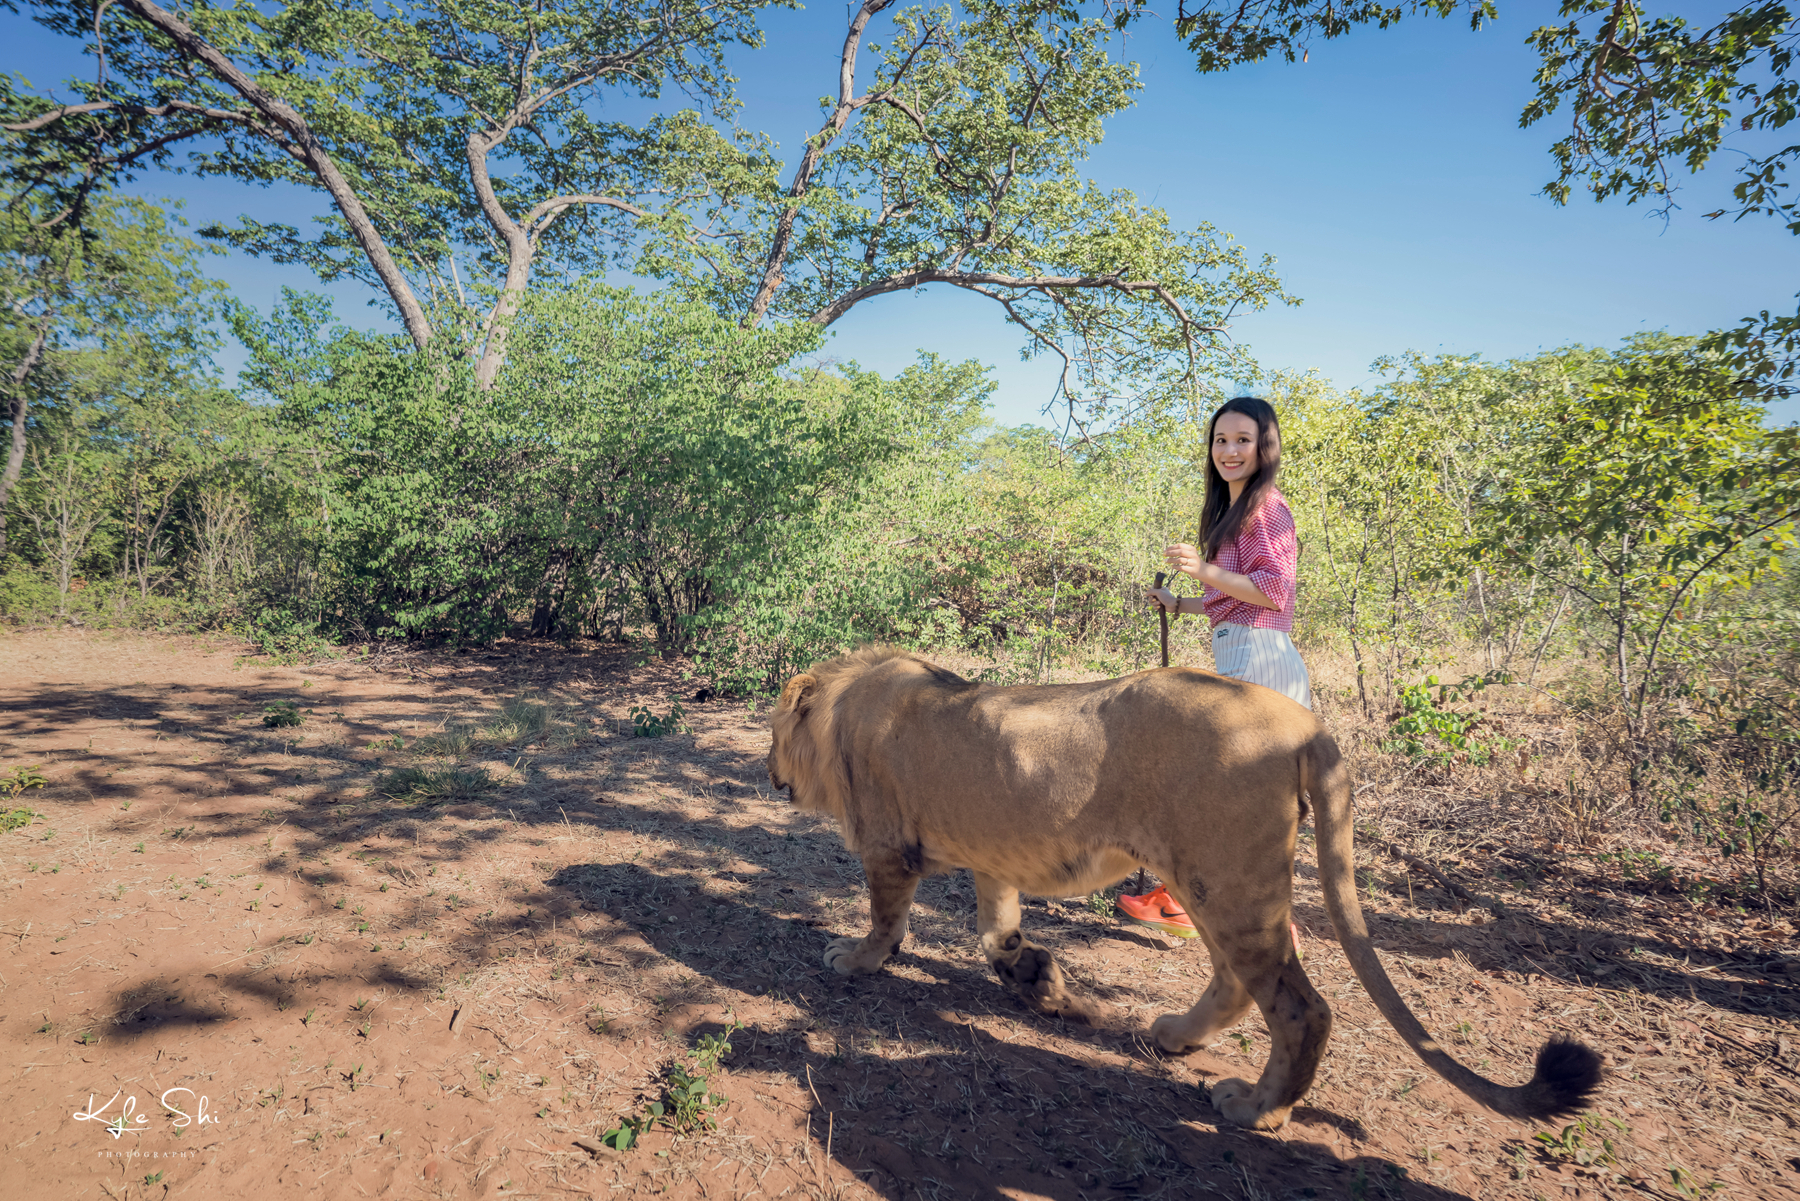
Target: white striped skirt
x,y
1259,656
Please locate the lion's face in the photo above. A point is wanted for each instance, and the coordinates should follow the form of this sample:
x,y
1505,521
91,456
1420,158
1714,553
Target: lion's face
x,y
792,752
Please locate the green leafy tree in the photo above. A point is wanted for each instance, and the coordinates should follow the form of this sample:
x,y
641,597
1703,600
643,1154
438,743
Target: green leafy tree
x,y
434,129
1653,484
958,165
446,132
632,453
106,337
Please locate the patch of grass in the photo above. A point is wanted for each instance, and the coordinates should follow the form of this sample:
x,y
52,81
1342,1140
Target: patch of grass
x,y
449,744
280,714
421,786
1585,1143
519,720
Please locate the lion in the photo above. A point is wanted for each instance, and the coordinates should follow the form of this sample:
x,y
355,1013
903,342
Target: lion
x,y
1064,789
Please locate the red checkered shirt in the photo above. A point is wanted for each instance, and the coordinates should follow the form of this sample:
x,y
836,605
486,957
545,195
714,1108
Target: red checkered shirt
x,y
1268,551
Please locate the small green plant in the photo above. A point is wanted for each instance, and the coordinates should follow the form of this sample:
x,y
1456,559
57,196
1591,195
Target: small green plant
x,y
14,819
1424,729
1100,904
646,724
153,1179
688,1094
287,638
307,1020
14,783
87,1038
280,714
620,1137
138,849
1684,1184
341,902
1586,1142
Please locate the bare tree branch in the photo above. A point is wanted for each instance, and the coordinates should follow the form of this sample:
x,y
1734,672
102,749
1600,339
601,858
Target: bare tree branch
x,y
309,150
809,162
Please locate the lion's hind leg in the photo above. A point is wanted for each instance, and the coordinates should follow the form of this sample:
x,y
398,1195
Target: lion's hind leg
x,y
1030,971
892,884
1222,1006
1299,1024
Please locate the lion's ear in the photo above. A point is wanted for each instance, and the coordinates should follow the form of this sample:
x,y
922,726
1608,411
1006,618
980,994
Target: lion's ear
x,y
795,692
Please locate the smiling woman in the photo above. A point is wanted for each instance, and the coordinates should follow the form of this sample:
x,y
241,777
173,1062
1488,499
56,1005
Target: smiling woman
x,y
1249,561
1250,555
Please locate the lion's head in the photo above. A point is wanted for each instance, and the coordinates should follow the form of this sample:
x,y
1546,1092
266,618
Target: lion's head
x,y
793,750
804,752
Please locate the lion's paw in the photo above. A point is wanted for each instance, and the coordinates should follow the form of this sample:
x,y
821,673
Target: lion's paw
x,y
1236,1100
1171,1032
848,957
1038,981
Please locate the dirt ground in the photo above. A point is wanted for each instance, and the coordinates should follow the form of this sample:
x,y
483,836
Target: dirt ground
x,y
239,968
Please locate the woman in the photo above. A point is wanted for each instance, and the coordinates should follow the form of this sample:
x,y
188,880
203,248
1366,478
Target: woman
x,y
1249,565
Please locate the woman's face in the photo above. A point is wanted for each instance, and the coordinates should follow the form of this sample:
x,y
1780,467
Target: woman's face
x,y
1234,447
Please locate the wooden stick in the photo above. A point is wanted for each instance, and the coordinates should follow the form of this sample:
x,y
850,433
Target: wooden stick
x,y
1164,615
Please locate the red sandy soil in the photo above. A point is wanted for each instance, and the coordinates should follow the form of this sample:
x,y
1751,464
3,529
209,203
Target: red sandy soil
x,y
345,995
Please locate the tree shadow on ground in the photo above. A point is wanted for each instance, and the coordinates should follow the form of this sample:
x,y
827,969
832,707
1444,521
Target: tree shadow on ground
x,y
920,1101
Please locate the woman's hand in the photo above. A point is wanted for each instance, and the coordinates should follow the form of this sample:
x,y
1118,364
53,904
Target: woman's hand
x,y
1164,598
1183,558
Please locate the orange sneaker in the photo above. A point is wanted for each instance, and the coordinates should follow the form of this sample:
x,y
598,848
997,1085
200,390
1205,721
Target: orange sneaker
x,y
1158,910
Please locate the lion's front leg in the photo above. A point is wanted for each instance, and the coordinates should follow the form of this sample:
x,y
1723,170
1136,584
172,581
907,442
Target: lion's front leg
x,y
1029,970
891,888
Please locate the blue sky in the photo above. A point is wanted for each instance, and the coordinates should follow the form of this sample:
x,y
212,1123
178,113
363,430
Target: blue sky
x,y
1387,175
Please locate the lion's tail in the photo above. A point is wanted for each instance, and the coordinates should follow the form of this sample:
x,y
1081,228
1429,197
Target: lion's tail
x,y
1567,1071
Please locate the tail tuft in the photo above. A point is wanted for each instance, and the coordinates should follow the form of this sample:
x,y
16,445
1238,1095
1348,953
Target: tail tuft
x,y
1567,1074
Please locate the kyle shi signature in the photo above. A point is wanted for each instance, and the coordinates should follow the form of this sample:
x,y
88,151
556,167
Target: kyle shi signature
x,y
126,1121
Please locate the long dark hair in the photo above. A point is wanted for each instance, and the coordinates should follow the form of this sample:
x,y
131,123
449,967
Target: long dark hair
x,y
1220,520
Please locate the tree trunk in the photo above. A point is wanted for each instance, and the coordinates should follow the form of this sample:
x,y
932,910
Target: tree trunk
x,y
16,411
306,147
